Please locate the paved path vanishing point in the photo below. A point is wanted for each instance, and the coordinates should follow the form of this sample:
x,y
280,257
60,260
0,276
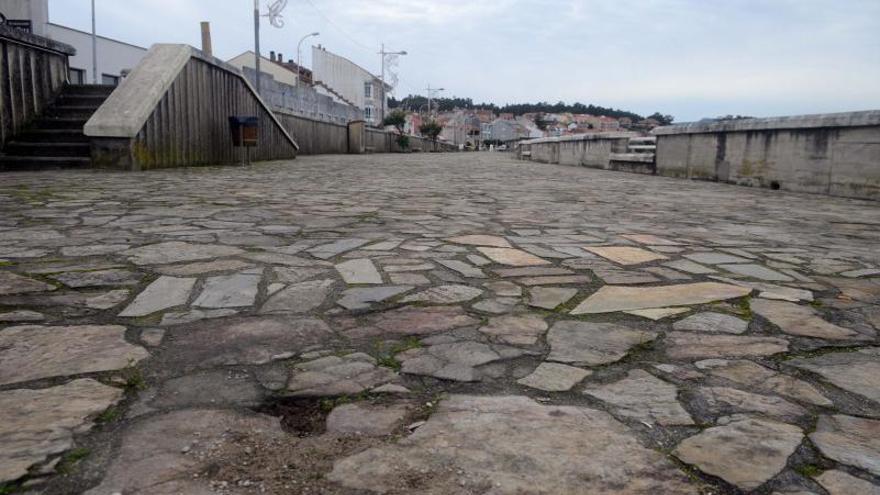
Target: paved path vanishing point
x,y
441,324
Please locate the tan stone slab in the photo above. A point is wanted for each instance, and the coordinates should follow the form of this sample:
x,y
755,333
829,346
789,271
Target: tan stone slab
x,y
625,255
32,352
35,424
657,313
481,240
650,239
512,257
611,298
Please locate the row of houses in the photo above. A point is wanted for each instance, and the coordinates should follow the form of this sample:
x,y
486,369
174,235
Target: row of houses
x,y
353,90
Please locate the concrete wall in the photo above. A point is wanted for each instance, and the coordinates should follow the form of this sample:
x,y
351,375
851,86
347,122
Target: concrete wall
x,y
587,150
247,61
32,73
303,100
835,154
113,56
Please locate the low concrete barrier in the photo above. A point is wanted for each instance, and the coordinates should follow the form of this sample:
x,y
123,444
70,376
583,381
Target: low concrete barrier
x,y
836,154
587,150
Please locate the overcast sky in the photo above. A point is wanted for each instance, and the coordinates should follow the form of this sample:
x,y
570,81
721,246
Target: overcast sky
x,y
689,58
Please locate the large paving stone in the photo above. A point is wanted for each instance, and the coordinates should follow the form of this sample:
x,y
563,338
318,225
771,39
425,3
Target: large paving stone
x,y
723,401
359,271
688,345
455,360
33,352
334,375
487,441
414,321
161,454
36,424
245,341
445,294
842,483
481,240
550,297
362,297
613,298
591,344
466,270
209,389
366,419
643,397
229,291
515,329
299,298
849,440
712,322
759,272
327,251
625,255
11,283
165,292
98,278
856,372
176,251
753,376
746,452
554,377
512,257
803,321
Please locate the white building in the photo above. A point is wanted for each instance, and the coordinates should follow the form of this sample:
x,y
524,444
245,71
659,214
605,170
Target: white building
x,y
354,83
114,57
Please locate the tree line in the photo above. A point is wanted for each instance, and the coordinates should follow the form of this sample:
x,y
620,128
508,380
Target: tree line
x,y
418,103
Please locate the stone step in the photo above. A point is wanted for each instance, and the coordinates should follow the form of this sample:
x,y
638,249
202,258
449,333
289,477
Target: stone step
x,y
60,149
10,162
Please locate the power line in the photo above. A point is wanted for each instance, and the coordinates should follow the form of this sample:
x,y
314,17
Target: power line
x,y
339,28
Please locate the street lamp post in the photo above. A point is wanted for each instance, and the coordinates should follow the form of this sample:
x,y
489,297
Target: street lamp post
x,y
94,48
431,93
299,54
275,19
383,54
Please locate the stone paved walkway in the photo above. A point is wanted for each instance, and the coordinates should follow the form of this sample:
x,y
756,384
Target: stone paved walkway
x,y
459,323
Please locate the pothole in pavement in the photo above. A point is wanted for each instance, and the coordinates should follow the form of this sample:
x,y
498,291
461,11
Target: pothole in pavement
x,y
300,417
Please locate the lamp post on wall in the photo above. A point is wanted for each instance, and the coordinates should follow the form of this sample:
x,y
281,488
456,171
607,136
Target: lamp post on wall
x,y
383,54
431,92
94,48
275,18
299,54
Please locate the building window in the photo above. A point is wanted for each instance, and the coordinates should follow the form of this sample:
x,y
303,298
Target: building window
x,y
76,76
368,113
368,90
109,80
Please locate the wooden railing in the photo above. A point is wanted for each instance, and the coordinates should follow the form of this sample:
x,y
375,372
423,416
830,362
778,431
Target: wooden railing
x,y
33,71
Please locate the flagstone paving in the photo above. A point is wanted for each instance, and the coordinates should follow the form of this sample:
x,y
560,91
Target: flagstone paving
x,y
471,324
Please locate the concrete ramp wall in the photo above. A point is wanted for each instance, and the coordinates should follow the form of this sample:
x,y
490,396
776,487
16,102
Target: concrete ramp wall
x,y
173,111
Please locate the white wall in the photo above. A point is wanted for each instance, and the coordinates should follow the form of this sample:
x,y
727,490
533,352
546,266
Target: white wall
x,y
35,10
347,78
113,56
247,59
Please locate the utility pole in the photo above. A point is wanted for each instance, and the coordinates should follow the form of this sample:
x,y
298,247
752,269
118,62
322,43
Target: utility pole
x,y
431,91
94,48
257,40
382,55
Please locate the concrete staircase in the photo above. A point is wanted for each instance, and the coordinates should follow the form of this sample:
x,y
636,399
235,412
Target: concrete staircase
x,y
56,140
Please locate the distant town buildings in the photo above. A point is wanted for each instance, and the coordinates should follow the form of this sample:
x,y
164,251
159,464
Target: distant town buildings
x,y
115,58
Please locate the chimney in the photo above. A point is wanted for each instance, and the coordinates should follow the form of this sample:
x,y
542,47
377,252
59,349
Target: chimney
x,y
206,38
272,55
280,58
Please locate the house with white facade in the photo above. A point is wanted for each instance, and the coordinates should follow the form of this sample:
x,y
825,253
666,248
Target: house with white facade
x,y
115,57
354,83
